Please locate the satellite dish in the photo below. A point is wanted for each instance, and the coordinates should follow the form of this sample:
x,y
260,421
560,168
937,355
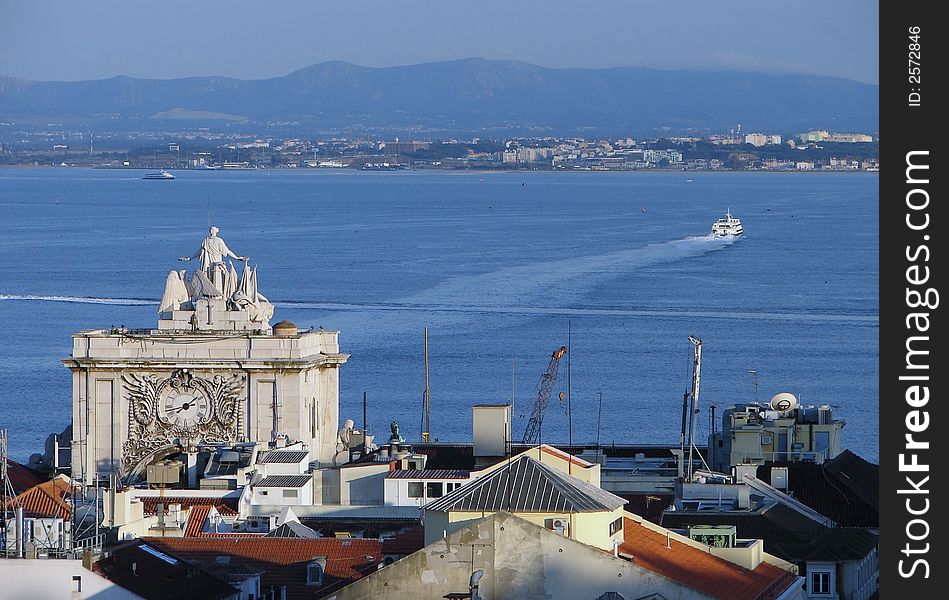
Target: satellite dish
x,y
783,402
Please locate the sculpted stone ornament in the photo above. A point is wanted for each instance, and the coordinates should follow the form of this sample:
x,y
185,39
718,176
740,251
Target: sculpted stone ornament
x,y
180,410
224,299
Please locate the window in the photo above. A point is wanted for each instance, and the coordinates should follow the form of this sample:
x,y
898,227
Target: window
x,y
415,489
820,582
616,526
263,492
314,575
434,489
291,493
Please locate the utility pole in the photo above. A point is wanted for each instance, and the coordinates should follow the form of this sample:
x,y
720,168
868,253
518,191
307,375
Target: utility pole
x,y
427,431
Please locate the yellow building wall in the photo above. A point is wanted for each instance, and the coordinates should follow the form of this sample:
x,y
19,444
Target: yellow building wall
x,y
591,528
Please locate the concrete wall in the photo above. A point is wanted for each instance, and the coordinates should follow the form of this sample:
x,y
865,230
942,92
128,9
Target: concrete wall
x,y
40,579
363,484
520,560
277,497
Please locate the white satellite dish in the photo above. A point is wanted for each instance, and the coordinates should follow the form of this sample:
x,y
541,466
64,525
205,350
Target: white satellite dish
x,y
783,402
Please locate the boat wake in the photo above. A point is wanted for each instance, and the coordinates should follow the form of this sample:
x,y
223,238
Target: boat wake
x,y
79,299
518,291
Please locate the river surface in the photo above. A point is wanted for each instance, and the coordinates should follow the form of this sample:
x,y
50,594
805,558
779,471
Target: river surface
x,y
498,266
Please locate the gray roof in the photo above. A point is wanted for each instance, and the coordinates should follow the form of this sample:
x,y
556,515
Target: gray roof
x,y
284,456
293,529
284,481
526,485
427,474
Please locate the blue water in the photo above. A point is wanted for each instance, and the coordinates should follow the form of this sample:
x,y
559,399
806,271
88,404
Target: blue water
x,y
497,266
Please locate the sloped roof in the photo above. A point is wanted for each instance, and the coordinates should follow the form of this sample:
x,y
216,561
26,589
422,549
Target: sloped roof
x,y
786,533
284,456
846,488
526,485
48,499
427,474
21,477
405,542
700,570
283,561
284,481
152,572
648,506
293,529
225,506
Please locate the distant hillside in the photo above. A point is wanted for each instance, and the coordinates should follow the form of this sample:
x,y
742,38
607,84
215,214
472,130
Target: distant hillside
x,y
468,95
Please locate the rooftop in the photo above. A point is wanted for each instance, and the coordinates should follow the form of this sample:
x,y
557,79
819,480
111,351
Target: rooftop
x,y
143,569
283,561
700,570
284,456
428,474
845,488
786,533
225,506
284,481
526,485
48,499
21,477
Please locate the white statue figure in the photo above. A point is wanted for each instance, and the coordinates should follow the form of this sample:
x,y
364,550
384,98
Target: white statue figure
x,y
211,253
176,292
246,297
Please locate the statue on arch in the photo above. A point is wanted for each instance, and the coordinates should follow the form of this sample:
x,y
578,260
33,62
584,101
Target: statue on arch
x,y
215,280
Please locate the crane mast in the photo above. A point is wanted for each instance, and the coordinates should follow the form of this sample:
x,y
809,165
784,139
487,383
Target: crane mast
x,y
696,378
544,389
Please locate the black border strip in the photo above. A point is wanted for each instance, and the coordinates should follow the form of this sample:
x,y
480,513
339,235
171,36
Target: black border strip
x,y
911,276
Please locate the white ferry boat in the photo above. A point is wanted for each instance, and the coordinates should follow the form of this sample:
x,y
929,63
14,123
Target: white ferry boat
x,y
162,174
729,225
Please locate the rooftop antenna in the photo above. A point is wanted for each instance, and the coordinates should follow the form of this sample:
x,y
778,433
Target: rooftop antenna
x,y
512,388
425,433
754,381
599,419
569,411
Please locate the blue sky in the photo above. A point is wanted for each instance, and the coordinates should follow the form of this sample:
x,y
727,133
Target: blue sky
x,y
84,39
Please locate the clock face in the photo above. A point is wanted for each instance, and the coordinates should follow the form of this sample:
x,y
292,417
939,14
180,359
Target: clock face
x,y
186,409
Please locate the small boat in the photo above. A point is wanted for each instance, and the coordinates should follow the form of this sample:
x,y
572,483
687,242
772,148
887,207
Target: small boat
x,y
729,225
161,174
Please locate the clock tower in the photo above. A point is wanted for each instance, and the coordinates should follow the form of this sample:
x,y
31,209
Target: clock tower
x,y
213,371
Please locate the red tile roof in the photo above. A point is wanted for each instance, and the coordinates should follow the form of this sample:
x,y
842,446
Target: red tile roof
x,y
199,515
196,518
48,499
700,570
21,478
226,506
283,561
551,450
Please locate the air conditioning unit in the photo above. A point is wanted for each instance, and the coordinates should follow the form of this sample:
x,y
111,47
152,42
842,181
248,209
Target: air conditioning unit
x,y
561,526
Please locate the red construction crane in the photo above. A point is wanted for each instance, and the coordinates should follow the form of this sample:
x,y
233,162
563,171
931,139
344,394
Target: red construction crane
x,y
544,389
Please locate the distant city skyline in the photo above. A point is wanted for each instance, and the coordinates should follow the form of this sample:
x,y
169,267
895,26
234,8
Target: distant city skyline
x,y
70,41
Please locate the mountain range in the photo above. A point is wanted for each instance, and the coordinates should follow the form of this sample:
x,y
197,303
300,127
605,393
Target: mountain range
x,y
456,97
